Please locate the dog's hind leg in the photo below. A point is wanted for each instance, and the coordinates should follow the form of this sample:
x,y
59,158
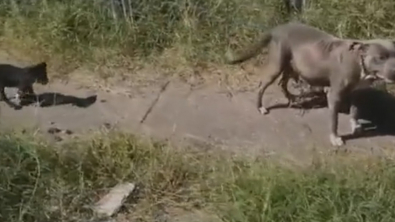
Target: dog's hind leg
x,y
286,76
272,71
24,92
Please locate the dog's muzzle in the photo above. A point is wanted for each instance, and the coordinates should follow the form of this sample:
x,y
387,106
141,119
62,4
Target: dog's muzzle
x,y
365,74
44,82
370,77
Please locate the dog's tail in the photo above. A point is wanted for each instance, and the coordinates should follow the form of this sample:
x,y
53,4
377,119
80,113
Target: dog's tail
x,y
253,50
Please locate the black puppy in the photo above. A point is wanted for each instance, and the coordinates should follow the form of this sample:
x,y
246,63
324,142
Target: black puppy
x,y
21,78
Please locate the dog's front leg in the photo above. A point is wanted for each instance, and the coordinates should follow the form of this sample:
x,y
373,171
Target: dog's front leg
x,y
6,100
356,127
334,99
2,93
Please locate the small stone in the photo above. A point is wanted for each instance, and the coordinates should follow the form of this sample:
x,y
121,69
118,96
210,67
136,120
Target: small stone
x,y
68,132
53,130
111,202
107,125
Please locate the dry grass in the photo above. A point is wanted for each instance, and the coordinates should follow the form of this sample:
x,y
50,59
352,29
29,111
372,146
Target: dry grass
x,y
42,182
177,37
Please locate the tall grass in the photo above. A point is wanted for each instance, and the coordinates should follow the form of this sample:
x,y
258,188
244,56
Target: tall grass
x,y
192,31
43,182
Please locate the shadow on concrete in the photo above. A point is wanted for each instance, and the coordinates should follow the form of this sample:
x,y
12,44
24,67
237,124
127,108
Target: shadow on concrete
x,y
56,99
315,100
375,106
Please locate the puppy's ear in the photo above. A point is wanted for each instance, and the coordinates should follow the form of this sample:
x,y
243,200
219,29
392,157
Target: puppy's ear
x,y
358,46
44,64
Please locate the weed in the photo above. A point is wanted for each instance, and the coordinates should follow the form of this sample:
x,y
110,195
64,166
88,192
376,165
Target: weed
x,y
42,182
177,32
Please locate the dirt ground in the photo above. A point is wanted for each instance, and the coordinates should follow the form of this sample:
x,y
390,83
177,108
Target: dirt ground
x,y
228,120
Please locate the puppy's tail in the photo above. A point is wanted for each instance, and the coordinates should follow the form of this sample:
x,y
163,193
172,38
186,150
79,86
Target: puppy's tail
x,y
252,51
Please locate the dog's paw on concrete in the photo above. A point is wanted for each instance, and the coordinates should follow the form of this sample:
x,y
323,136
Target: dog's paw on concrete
x,y
336,140
263,111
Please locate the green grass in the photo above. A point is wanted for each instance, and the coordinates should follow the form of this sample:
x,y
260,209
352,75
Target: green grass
x,y
172,33
42,182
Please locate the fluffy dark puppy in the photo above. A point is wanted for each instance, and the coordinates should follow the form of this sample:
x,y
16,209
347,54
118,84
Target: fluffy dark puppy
x,y
21,78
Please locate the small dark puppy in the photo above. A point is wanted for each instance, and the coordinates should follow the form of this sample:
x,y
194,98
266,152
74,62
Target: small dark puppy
x,y
21,78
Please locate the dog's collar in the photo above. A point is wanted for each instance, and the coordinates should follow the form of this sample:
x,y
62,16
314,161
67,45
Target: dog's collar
x,y
364,73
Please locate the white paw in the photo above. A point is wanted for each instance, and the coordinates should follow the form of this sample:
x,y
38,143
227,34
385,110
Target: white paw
x,y
336,140
263,111
355,127
326,90
17,98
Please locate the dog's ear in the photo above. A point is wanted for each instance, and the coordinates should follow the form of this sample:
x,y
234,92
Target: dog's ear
x,y
43,64
358,46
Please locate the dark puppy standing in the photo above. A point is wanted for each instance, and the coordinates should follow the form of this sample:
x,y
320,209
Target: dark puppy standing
x,y
22,78
297,51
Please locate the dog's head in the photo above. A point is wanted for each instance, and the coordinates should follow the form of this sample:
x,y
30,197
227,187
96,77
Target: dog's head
x,y
377,58
40,73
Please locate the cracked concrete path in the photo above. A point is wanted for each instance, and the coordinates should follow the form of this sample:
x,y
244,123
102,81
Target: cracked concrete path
x,y
201,115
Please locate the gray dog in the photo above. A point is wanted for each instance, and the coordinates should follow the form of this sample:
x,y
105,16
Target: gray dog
x,y
297,50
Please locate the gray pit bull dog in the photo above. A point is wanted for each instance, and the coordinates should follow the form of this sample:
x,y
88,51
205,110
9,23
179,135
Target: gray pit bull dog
x,y
296,50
